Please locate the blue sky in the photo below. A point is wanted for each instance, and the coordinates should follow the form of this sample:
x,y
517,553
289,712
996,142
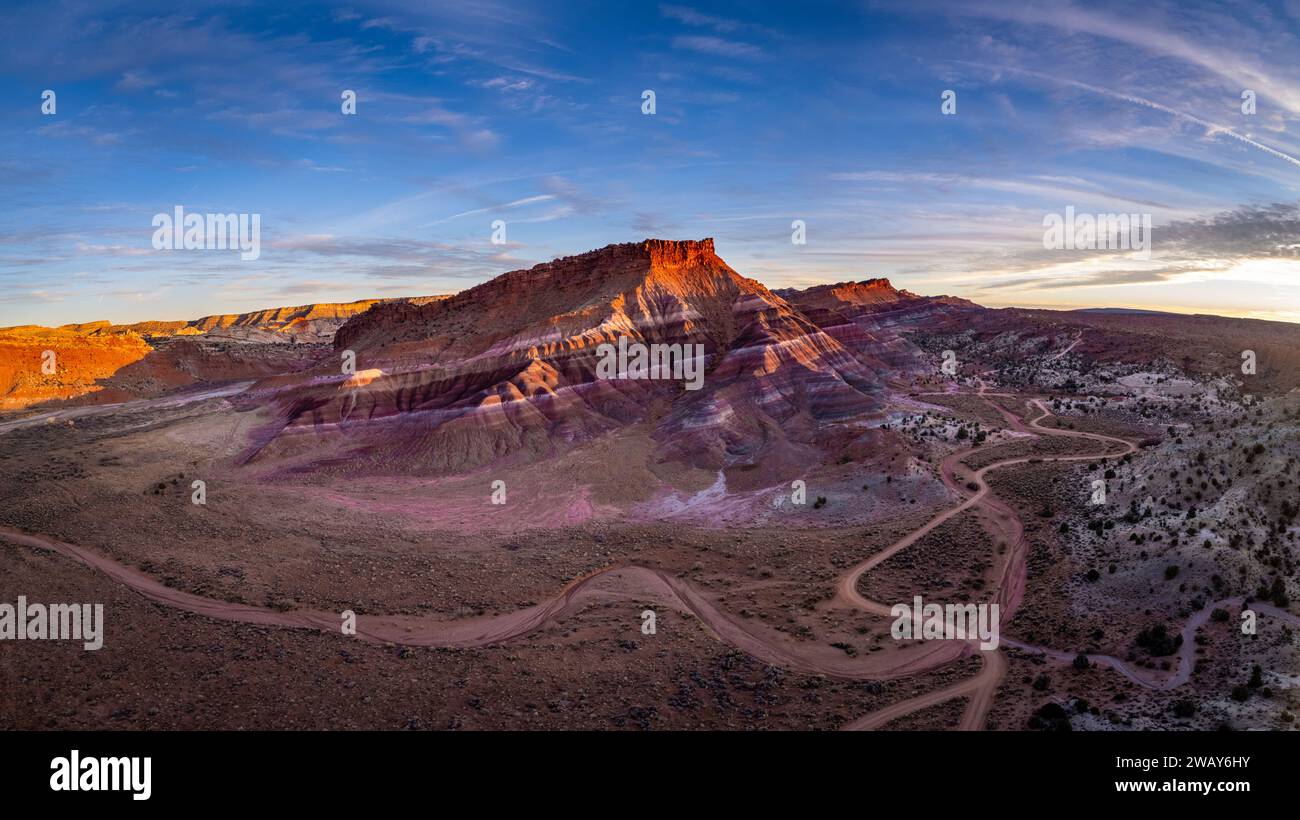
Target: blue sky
x,y
530,112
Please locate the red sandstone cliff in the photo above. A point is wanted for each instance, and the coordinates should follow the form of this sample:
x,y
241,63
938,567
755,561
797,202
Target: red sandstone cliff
x,y
510,365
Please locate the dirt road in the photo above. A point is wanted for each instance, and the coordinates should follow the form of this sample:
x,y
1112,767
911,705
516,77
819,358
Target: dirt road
x,y
677,593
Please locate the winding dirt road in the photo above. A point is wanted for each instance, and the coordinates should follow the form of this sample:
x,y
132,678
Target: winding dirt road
x,y
765,646
1010,586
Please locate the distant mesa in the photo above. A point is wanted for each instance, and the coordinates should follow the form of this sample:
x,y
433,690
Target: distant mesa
x,y
1120,310
865,292
100,362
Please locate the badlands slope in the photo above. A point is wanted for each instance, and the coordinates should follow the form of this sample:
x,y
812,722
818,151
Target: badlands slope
x,y
509,367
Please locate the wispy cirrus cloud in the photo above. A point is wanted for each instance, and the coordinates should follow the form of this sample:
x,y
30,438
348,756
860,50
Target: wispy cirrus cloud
x,y
531,110
722,25
1212,38
1212,129
717,46
505,206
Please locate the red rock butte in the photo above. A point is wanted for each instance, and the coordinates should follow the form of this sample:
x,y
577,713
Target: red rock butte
x,y
510,365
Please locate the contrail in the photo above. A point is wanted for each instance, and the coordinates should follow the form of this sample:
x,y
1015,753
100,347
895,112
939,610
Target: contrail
x,y
1211,127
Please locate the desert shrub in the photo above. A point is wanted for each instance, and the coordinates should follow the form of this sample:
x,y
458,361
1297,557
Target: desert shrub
x,y
1050,717
1157,641
1256,677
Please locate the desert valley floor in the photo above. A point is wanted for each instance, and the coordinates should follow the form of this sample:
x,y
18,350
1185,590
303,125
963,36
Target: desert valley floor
x,y
372,490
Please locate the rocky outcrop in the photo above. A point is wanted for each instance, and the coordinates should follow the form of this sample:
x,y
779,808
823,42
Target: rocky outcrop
x,y
39,364
305,323
869,318
842,294
103,362
510,366
99,363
